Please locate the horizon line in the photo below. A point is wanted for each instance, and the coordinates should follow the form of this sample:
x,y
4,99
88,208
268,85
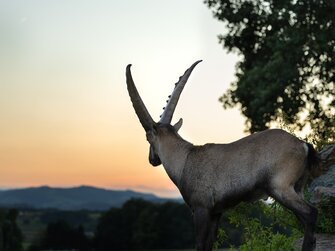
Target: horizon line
x,y
155,192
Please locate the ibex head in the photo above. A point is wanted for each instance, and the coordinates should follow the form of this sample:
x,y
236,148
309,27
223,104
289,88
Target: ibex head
x,y
153,129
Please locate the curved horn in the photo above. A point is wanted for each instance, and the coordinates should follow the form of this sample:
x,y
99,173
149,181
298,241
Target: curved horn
x,y
166,117
140,109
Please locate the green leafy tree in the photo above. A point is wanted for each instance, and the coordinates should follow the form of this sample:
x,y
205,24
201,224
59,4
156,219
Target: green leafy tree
x,y
287,63
144,225
111,232
10,235
119,228
176,230
60,235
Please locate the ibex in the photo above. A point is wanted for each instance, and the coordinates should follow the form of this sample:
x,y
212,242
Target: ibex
x,y
214,177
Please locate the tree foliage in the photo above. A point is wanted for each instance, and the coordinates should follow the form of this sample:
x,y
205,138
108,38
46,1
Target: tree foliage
x,y
265,227
144,225
10,235
287,65
60,235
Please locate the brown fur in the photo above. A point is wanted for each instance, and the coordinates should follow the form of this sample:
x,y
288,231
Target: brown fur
x,y
214,177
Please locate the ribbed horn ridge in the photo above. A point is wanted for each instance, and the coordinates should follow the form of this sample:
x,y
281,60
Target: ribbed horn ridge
x,y
140,109
166,117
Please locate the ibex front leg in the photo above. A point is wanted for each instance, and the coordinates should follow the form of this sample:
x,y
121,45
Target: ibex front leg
x,y
206,226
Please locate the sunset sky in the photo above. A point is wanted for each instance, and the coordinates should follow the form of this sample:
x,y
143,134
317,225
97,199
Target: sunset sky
x,y
66,118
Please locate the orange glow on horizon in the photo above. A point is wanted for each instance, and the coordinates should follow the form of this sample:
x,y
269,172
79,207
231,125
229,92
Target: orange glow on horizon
x,y
66,118
110,161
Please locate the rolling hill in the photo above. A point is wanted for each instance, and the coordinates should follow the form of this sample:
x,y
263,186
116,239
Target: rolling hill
x,y
76,198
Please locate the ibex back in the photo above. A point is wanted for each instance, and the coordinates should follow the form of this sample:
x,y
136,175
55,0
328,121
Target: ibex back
x,y
214,177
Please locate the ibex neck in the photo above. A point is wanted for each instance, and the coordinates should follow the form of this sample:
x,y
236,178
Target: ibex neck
x,y
173,154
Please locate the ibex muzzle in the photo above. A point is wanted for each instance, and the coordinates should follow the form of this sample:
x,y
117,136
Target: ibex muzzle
x,y
213,177
153,157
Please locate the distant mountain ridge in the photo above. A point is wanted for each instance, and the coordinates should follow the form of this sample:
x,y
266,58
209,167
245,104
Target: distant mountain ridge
x,y
76,198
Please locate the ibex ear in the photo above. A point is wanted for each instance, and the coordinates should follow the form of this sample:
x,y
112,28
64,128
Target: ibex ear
x,y
178,125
